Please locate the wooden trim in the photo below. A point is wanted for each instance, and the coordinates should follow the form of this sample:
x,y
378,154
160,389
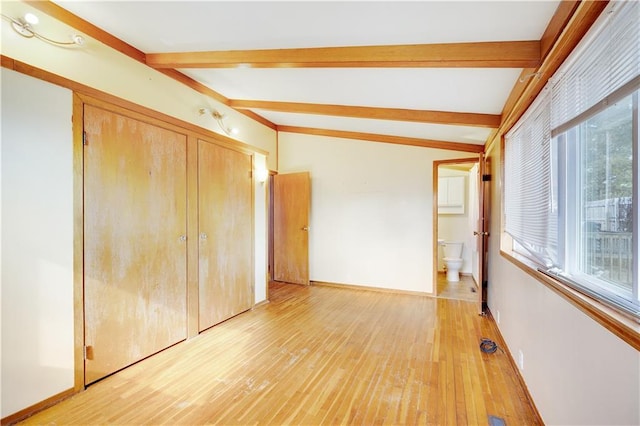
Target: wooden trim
x,y
489,145
586,13
570,22
258,118
622,325
367,288
195,85
370,137
277,151
455,160
396,114
523,81
193,246
104,99
434,220
502,54
7,62
110,40
156,118
503,345
35,408
78,243
558,22
201,88
434,204
87,28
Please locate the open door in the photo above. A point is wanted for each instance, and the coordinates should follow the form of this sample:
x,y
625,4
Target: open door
x,y
291,203
482,231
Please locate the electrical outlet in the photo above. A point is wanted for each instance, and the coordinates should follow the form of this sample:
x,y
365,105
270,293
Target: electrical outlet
x,y
520,359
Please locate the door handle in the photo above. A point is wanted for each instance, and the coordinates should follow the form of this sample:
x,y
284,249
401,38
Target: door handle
x,y
305,228
480,233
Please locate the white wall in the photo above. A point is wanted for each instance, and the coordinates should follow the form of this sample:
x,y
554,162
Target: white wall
x,y
577,372
37,241
260,231
457,227
371,210
105,69
37,361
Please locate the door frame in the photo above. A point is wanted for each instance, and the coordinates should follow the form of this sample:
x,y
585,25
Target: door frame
x,y
481,255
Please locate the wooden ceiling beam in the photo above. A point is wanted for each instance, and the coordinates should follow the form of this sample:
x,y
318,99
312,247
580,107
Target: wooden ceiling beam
x,y
394,114
503,54
371,137
97,33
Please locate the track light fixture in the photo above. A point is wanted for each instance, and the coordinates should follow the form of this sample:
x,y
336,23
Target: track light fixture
x,y
24,27
220,120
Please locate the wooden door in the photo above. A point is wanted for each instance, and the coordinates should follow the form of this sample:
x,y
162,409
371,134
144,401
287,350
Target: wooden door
x,y
225,233
292,195
482,233
134,247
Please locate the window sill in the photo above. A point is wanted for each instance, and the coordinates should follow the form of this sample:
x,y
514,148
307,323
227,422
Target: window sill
x,y
619,323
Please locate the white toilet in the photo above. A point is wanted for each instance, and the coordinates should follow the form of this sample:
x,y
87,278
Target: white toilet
x,y
453,259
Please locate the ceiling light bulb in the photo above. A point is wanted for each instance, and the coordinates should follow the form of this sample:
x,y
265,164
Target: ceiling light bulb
x,y
31,19
235,130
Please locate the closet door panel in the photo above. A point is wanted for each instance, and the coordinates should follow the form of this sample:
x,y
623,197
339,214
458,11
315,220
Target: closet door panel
x,y
225,233
135,253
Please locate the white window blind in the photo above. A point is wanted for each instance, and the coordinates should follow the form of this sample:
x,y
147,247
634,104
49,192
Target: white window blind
x,y
530,213
605,62
590,109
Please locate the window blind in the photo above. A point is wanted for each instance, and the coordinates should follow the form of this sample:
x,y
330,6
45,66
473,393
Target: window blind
x,y
530,211
605,62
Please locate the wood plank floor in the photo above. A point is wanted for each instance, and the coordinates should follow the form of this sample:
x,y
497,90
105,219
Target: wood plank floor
x,y
317,355
465,289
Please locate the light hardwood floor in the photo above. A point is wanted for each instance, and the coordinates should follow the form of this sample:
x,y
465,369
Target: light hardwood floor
x,y
465,289
318,355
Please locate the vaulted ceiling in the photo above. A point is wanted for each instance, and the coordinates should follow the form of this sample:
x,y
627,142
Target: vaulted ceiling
x,y
416,72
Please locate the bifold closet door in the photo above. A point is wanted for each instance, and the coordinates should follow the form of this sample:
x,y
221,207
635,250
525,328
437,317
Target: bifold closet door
x,y
135,240
225,233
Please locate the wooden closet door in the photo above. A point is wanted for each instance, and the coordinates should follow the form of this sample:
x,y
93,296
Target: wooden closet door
x,y
135,252
225,233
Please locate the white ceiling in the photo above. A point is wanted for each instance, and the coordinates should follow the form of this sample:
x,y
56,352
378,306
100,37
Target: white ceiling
x,y
173,26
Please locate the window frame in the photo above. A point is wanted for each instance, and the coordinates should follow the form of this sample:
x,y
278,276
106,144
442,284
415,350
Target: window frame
x,y
621,323
570,235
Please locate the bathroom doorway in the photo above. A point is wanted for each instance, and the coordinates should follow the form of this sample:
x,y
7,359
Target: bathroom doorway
x,y
458,229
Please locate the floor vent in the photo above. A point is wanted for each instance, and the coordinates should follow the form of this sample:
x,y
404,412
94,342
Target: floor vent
x,y
496,421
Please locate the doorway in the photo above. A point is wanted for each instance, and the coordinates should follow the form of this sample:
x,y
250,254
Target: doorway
x,y
458,228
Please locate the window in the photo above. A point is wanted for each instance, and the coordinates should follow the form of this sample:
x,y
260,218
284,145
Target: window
x,y
571,166
599,199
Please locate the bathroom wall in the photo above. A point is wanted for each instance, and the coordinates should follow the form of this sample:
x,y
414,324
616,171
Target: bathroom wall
x,y
457,227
